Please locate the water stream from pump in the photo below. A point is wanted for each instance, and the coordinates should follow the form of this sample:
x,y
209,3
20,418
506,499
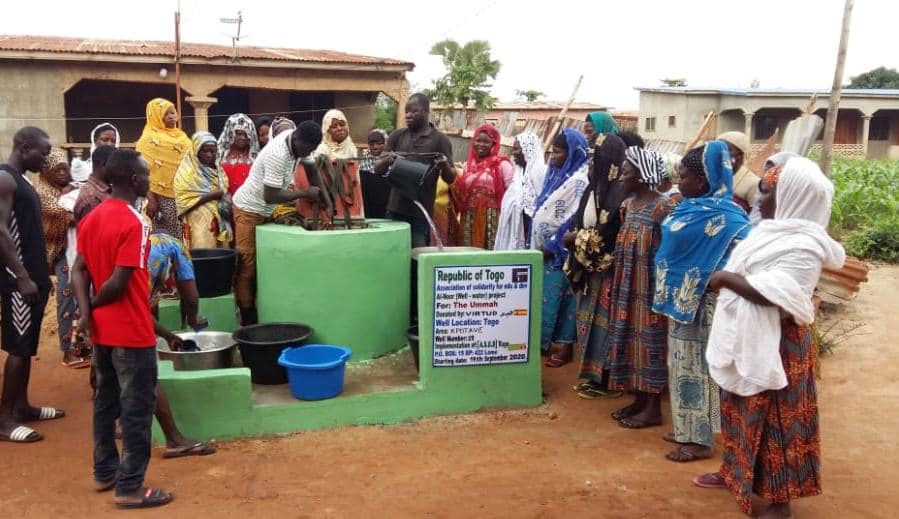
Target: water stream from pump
x,y
431,223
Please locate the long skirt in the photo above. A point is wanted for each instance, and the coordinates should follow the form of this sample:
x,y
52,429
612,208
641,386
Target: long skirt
x,y
201,229
593,326
772,445
559,307
167,216
695,402
66,307
478,227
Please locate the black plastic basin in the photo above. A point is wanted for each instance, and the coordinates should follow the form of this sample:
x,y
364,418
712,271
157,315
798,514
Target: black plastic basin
x,y
213,270
262,344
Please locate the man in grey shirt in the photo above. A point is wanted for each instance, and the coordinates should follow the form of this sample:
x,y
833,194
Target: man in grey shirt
x,y
420,136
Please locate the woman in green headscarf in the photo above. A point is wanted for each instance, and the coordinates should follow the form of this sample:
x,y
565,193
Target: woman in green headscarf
x,y
201,196
599,123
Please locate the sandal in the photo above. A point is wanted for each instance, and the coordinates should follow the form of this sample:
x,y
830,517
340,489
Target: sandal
x,y
712,480
555,361
44,414
22,434
688,453
78,363
152,497
197,449
591,391
632,423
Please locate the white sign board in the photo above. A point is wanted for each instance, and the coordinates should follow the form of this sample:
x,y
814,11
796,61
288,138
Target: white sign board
x,y
482,315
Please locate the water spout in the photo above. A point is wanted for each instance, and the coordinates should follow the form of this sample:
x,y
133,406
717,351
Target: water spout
x,y
431,223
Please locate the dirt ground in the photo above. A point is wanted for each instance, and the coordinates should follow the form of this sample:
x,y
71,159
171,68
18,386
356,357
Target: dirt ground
x,y
563,459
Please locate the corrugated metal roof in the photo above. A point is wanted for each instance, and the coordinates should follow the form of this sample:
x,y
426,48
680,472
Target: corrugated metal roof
x,y
873,92
192,50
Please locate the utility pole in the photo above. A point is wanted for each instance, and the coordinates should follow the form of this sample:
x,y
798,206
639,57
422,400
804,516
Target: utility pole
x,y
178,62
830,125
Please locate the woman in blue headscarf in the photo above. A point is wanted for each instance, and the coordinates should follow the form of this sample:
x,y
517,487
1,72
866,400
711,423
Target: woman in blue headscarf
x,y
599,123
564,184
696,241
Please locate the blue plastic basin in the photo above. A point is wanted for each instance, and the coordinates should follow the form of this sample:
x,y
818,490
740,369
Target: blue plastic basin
x,y
315,371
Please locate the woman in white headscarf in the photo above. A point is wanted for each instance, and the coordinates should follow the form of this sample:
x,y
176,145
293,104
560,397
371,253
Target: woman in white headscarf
x,y
778,160
519,201
104,134
761,349
336,141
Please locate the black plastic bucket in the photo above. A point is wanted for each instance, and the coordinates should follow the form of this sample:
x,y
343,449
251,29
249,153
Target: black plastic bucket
x,y
407,176
261,345
213,270
412,335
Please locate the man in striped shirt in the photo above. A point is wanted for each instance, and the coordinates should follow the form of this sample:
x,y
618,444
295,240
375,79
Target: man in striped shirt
x,y
268,185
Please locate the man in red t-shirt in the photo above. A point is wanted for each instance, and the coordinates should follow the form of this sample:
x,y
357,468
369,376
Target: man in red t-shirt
x,y
113,245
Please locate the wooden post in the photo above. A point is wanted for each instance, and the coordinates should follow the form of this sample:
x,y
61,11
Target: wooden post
x,y
555,129
178,63
833,108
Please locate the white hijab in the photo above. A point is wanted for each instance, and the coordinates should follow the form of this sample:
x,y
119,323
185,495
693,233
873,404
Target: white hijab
x,y
778,159
336,150
782,259
521,195
81,169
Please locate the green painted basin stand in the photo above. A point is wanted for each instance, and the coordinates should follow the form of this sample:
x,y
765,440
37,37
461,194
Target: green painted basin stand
x,y
217,404
351,286
220,311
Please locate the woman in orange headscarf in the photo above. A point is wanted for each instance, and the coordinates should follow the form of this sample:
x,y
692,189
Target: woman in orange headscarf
x,y
478,194
163,145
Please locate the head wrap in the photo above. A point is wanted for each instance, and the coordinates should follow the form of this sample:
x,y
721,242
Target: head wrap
x,y
479,169
280,124
603,123
195,180
650,164
82,168
162,147
57,156
336,150
698,236
232,125
803,192
739,139
559,199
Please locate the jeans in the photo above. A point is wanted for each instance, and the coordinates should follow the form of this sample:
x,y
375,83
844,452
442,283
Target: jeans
x,y
126,389
421,231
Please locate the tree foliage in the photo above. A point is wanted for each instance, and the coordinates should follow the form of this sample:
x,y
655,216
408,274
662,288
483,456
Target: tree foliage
x,y
674,82
529,95
881,77
385,113
469,69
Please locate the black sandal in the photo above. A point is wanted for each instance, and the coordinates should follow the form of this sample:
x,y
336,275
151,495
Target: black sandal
x,y
152,497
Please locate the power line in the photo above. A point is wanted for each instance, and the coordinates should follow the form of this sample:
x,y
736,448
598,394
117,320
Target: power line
x,y
143,117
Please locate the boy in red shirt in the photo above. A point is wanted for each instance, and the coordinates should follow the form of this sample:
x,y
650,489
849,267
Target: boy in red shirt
x,y
113,245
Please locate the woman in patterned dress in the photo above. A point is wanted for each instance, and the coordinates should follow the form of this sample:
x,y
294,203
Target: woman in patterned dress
x,y
761,349
478,193
52,183
637,342
696,241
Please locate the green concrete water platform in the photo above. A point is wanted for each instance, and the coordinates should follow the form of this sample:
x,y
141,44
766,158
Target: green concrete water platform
x,y
480,309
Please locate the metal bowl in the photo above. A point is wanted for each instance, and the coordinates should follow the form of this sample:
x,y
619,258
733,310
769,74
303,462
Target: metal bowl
x,y
216,351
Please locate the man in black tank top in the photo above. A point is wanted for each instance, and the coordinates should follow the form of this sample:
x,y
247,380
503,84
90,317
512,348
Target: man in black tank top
x,y
24,283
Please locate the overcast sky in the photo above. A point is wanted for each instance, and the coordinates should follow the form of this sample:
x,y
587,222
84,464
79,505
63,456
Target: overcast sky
x,y
615,45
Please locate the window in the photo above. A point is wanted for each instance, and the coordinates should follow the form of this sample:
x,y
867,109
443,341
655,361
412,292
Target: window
x,y
650,124
672,121
879,129
765,126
